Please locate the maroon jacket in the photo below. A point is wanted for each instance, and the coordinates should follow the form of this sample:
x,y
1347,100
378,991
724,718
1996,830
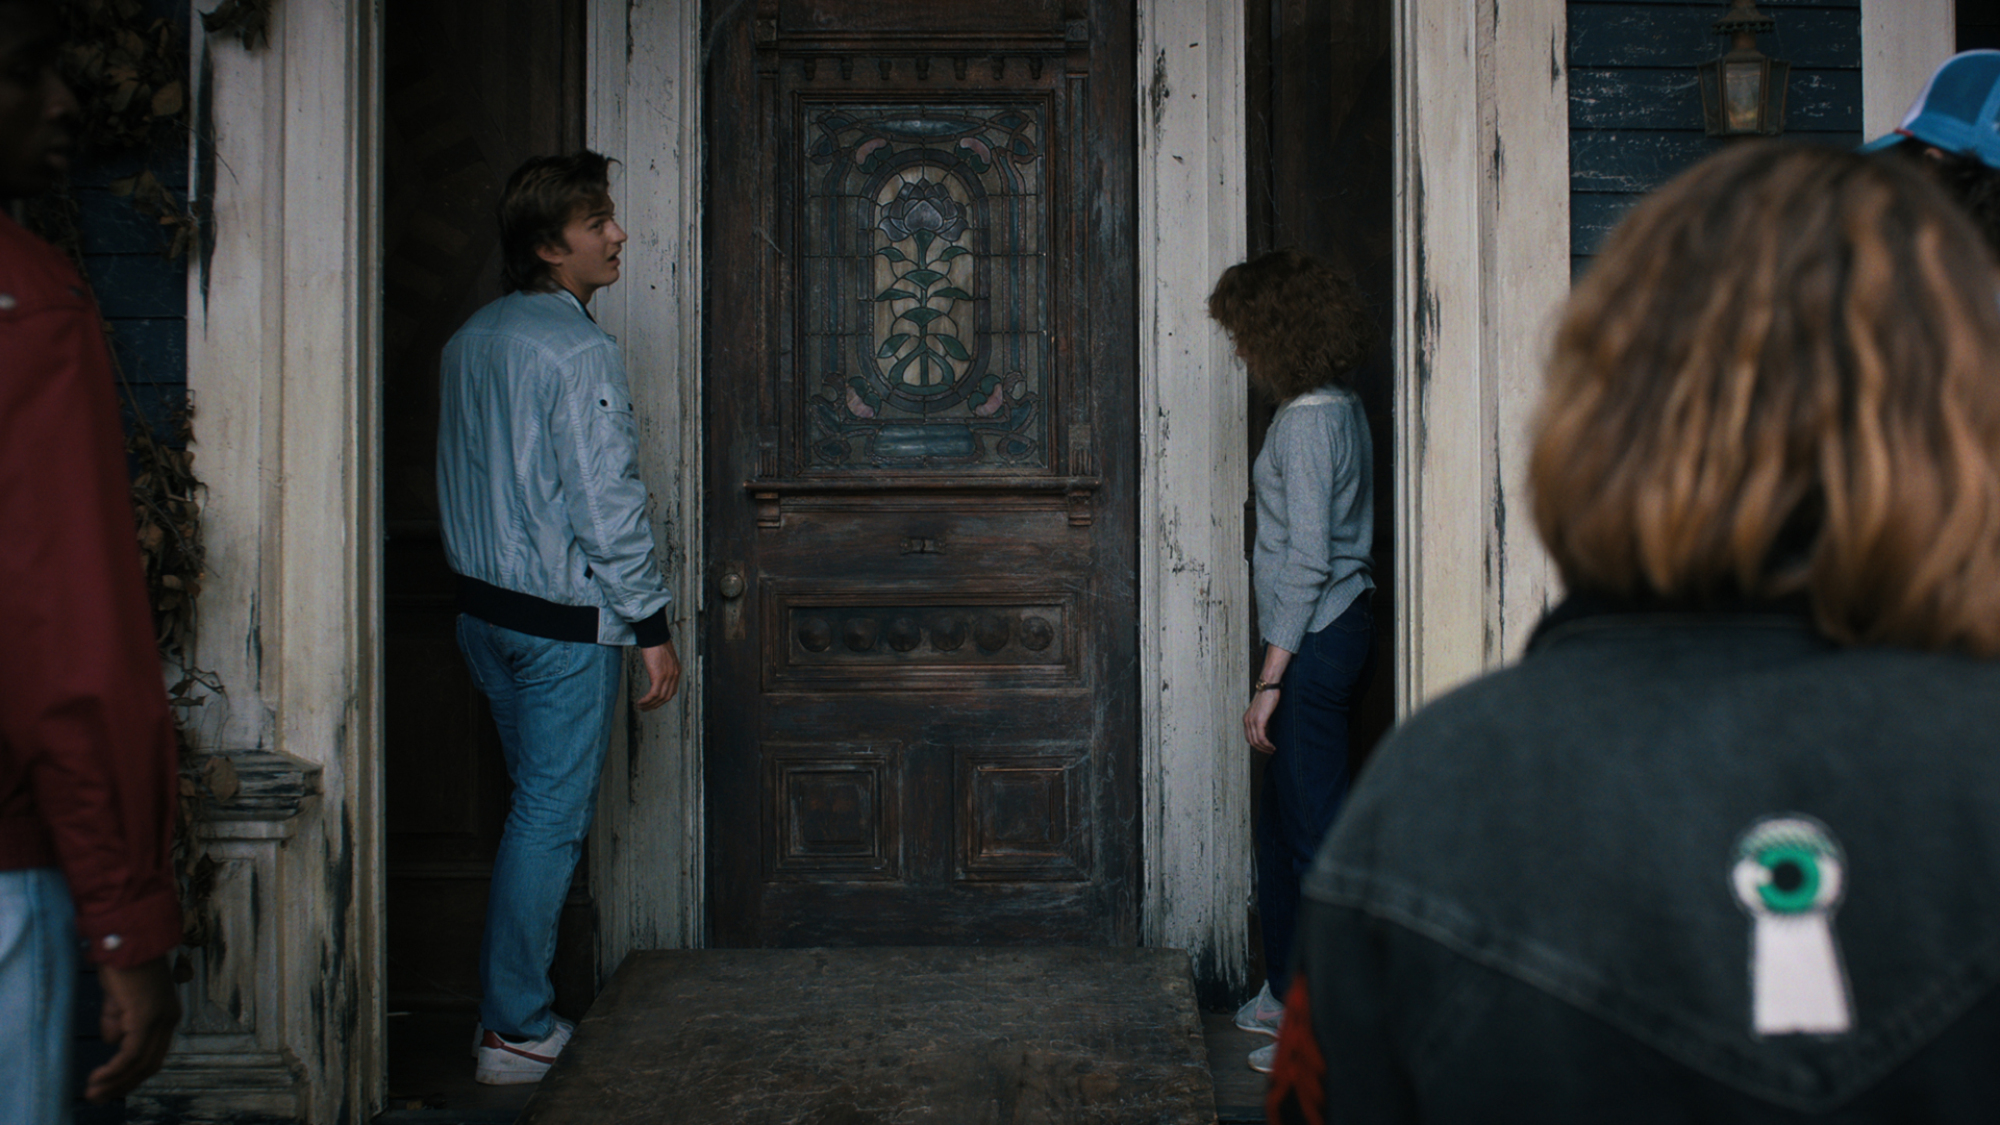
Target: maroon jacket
x,y
88,777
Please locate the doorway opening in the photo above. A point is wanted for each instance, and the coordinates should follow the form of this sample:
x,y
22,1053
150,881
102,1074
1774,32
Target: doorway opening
x,y
1320,104
471,88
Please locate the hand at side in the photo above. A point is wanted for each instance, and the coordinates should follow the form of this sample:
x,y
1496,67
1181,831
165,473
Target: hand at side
x,y
1257,720
663,667
140,1011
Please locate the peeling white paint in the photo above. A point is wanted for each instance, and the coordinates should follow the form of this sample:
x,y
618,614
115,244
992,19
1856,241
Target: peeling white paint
x,y
282,361
1194,473
1483,263
648,867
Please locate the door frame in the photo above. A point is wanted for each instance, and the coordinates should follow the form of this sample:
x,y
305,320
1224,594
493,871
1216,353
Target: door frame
x,y
643,107
1485,248
643,72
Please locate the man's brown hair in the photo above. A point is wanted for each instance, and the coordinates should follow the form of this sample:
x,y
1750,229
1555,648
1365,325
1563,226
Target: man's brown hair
x,y
1297,322
540,199
1783,377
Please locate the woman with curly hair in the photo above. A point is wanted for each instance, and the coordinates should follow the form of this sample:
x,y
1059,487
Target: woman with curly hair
x,y
1722,845
1301,328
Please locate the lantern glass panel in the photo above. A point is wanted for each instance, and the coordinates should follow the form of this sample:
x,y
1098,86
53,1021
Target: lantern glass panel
x,y
1743,95
1774,95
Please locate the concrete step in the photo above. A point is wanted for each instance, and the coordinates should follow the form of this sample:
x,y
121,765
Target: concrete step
x,y
898,1036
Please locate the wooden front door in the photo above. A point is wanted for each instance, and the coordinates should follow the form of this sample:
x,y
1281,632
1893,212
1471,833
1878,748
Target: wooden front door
x,y
922,603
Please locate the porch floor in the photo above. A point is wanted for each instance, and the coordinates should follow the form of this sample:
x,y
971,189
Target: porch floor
x,y
964,1035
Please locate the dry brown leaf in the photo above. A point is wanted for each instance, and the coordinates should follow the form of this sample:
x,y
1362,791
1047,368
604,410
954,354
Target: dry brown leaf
x,y
220,774
168,100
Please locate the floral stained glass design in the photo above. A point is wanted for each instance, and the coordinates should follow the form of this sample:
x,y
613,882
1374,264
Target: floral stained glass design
x,y
925,287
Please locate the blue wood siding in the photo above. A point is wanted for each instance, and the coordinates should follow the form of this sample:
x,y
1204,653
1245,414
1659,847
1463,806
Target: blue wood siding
x,y
142,293
1635,107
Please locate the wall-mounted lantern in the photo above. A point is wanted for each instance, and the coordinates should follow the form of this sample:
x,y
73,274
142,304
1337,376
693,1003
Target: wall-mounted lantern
x,y
1743,92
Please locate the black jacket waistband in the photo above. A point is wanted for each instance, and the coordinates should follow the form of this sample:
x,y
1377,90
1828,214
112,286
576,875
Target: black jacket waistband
x,y
539,617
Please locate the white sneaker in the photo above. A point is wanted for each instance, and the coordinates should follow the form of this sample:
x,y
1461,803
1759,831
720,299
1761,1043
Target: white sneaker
x,y
1264,1058
511,1064
1261,1013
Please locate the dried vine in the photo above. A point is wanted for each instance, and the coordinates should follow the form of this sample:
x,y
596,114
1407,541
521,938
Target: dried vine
x,y
129,73
248,20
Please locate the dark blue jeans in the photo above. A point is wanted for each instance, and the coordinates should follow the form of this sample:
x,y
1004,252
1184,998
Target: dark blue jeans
x,y
1305,781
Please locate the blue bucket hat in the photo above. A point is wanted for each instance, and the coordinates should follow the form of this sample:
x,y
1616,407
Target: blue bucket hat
x,y
1958,112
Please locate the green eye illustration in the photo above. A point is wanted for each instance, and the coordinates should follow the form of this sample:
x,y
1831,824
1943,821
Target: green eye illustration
x,y
1788,865
1794,878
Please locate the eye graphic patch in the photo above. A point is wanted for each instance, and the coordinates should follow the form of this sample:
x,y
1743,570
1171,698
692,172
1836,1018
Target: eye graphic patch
x,y
1788,876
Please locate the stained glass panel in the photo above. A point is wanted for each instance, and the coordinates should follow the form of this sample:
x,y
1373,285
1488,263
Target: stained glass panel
x,y
925,289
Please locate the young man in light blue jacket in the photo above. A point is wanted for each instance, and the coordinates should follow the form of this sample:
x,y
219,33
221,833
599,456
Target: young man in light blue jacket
x,y
545,525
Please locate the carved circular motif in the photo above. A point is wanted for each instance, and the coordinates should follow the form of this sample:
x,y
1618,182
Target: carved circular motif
x,y
947,632
990,632
815,635
860,633
1036,633
903,634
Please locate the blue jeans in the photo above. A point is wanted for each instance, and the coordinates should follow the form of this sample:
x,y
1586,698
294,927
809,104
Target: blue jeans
x,y
1305,781
553,702
37,996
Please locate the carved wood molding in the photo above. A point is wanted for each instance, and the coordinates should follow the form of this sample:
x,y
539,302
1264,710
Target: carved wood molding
x,y
920,27
774,497
271,788
827,636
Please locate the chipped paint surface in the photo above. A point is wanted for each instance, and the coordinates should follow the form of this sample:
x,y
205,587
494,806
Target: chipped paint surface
x,y
1194,581
282,355
1483,212
647,861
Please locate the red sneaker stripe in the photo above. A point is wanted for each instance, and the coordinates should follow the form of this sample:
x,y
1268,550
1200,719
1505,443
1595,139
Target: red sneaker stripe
x,y
493,1042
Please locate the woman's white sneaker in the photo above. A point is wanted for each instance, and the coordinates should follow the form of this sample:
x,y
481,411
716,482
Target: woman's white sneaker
x,y
1261,1013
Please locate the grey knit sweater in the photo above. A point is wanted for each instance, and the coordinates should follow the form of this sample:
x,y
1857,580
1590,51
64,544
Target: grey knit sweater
x,y
1315,515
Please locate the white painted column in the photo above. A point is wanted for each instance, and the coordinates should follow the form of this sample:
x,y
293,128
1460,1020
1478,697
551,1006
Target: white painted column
x,y
1902,42
1482,210
234,338
330,542
283,368
644,84
1194,582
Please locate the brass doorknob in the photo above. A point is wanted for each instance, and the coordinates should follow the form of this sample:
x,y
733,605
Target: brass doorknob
x,y
730,585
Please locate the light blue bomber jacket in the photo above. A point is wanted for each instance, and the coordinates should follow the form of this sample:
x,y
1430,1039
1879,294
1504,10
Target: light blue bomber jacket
x,y
538,481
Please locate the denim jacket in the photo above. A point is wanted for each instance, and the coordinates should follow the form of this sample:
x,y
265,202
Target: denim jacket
x,y
1534,909
538,479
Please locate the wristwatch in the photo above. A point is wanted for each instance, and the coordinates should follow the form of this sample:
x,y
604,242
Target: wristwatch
x,y
1264,686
